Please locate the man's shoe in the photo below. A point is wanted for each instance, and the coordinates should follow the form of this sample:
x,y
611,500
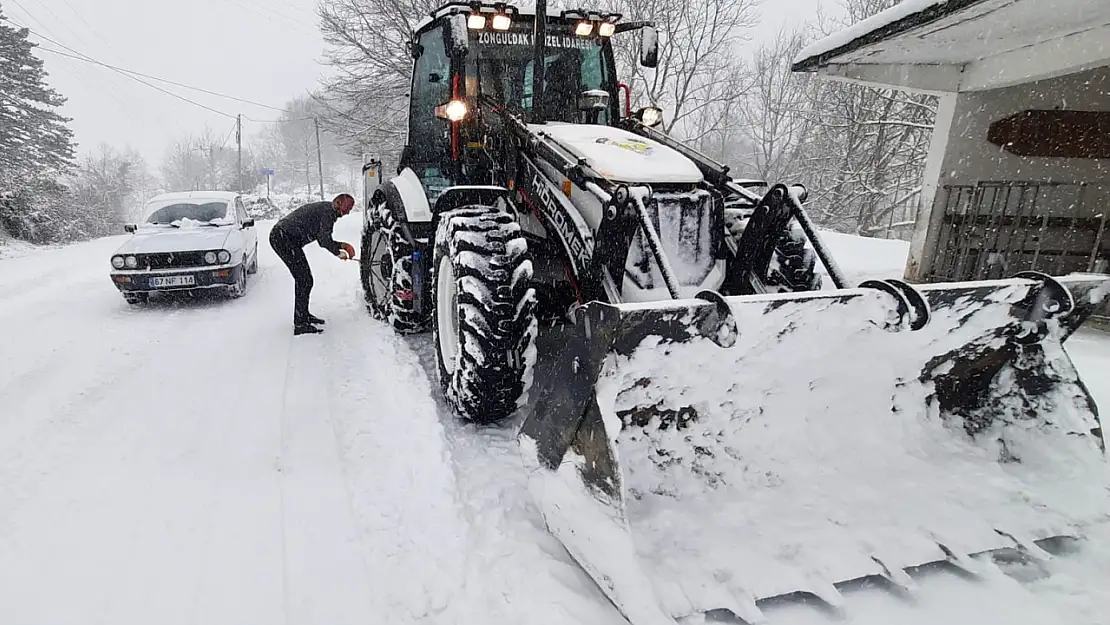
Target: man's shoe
x,y
311,318
305,328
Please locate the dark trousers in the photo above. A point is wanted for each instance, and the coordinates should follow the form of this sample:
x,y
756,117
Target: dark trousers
x,y
293,256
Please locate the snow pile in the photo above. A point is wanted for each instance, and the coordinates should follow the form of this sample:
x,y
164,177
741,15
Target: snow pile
x,y
865,258
14,248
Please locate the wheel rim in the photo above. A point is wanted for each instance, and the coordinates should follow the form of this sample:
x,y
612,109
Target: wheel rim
x,y
380,271
447,314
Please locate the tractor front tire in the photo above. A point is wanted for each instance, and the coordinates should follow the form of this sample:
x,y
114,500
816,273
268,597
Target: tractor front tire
x,y
385,270
794,265
485,313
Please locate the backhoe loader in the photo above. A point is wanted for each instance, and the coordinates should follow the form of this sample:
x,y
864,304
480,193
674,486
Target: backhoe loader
x,y
717,429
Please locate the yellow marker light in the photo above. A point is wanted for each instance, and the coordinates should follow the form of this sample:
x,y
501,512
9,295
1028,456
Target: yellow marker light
x,y
476,22
501,22
566,188
607,29
583,29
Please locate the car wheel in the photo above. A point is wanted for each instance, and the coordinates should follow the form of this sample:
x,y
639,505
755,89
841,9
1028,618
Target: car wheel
x,y
254,261
239,289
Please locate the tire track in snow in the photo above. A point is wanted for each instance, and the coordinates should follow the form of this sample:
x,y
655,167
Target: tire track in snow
x,y
518,572
397,470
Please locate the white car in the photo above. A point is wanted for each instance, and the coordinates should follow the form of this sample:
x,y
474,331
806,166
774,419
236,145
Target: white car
x,y
187,241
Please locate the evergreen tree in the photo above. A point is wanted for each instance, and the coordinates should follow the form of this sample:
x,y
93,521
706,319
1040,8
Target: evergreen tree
x,y
34,138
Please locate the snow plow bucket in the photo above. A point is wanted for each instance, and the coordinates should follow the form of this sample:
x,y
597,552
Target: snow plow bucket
x,y
720,456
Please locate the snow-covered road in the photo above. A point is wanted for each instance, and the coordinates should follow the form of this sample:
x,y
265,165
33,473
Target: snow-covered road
x,y
193,462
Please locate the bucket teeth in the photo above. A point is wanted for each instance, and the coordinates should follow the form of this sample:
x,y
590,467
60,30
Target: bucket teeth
x,y
900,581
1027,546
962,562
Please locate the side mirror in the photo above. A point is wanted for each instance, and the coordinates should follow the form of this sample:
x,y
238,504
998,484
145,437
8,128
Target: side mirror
x,y
456,37
650,116
649,47
248,223
130,228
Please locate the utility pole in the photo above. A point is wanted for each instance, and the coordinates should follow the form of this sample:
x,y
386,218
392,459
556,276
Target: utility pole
x,y
239,142
319,158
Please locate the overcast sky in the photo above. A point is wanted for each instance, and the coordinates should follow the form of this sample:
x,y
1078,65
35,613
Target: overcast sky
x,y
267,51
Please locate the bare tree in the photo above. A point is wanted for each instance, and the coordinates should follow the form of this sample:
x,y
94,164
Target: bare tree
x,y
366,102
773,118
699,42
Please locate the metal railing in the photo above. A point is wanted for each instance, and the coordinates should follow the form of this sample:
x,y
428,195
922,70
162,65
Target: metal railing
x,y
995,229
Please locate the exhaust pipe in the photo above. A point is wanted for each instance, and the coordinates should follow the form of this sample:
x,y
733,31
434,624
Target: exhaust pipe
x,y
539,42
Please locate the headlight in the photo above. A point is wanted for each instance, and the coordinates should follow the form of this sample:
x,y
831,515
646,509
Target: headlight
x,y
607,29
476,22
584,28
455,111
117,262
501,22
225,256
210,258
131,262
650,116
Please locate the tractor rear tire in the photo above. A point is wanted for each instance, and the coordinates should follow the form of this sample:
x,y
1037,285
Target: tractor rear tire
x,y
385,270
485,313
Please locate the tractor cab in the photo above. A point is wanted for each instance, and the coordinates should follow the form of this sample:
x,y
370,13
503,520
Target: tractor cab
x,y
473,59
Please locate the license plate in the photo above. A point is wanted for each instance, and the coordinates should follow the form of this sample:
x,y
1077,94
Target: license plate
x,y
172,281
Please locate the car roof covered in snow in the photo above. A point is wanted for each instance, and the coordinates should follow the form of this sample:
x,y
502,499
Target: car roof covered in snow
x,y
227,196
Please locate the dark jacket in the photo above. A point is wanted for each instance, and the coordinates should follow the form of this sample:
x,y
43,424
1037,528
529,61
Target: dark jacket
x,y
310,222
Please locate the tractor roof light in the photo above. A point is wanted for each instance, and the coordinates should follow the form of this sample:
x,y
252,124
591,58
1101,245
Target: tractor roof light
x,y
501,22
607,29
584,28
476,21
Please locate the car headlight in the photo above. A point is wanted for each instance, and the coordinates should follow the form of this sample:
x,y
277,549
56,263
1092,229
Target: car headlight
x,y
224,256
210,258
117,262
131,262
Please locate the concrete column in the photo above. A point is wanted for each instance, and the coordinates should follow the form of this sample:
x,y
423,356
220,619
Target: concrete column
x,y
926,230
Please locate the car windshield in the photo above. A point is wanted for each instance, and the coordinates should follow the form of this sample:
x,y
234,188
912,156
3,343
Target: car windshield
x,y
204,212
503,66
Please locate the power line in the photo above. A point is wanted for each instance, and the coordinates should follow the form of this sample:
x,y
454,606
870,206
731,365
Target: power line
x,y
84,57
165,80
128,73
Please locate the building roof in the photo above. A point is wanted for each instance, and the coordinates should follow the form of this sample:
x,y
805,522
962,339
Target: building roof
x,y
902,17
965,45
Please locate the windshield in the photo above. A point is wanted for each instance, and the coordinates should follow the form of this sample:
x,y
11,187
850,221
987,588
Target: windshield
x,y
503,63
193,211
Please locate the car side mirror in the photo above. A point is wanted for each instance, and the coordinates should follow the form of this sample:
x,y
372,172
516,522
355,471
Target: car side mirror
x,y
649,47
130,228
248,223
